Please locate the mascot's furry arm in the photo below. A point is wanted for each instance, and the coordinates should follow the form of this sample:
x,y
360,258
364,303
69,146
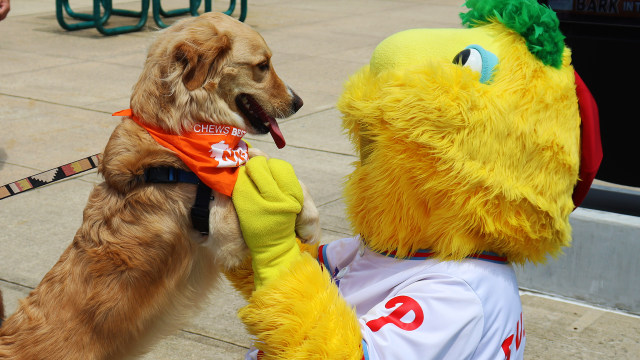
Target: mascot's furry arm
x,y
241,277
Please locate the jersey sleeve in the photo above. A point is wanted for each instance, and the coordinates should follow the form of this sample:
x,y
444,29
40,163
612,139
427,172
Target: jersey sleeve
x,y
436,318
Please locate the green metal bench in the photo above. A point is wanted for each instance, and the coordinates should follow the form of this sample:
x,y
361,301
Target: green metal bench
x,y
158,11
193,9
232,7
103,9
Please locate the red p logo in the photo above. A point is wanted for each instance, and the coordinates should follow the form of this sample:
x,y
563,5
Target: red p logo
x,y
407,305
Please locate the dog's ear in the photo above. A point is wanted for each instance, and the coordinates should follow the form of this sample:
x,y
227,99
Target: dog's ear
x,y
199,53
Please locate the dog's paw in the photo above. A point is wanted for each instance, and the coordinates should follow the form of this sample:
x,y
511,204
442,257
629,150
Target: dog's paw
x,y
308,221
257,152
225,236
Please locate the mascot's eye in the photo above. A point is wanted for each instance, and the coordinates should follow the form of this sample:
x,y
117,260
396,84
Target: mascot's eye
x,y
470,58
477,59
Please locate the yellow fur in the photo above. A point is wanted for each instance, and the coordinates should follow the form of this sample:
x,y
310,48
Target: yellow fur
x,y
241,277
299,316
457,166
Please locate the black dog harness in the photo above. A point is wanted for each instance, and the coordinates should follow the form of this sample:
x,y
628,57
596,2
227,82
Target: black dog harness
x,y
200,208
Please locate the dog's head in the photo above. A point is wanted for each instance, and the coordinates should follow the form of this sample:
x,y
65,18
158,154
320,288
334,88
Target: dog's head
x,y
212,68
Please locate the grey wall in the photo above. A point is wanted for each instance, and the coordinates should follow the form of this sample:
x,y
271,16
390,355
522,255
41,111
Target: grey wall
x,y
602,267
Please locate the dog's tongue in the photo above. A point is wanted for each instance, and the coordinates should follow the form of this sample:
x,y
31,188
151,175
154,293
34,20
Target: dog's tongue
x,y
275,132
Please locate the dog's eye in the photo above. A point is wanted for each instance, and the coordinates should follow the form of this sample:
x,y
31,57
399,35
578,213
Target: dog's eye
x,y
264,66
477,59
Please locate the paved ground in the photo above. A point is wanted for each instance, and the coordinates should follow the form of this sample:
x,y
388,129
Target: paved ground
x,y
58,89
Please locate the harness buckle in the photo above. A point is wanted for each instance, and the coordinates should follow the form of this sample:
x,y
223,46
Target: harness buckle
x,y
163,175
200,219
200,209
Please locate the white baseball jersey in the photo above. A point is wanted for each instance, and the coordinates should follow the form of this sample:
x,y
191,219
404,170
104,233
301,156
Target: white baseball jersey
x,y
422,308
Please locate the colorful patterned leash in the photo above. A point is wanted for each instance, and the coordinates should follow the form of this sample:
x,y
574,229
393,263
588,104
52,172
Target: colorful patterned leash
x,y
50,176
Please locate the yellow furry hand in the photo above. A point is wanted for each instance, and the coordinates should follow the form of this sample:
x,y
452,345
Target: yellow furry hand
x,y
267,198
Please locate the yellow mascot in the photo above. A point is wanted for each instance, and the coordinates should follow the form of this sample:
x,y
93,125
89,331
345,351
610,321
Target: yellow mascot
x,y
475,145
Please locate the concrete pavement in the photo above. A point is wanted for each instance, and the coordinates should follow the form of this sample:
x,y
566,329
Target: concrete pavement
x,y
58,89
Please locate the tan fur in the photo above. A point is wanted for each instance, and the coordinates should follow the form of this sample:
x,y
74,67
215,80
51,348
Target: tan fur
x,y
196,72
136,269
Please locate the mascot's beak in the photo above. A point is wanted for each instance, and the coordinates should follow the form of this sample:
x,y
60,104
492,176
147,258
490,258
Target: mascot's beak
x,y
410,47
416,46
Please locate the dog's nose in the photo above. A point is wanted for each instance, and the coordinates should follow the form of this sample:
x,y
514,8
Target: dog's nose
x,y
297,102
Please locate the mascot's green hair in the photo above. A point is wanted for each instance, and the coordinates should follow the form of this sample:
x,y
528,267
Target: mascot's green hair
x,y
537,24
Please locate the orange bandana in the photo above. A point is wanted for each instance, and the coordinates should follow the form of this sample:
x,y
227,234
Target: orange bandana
x,y
212,152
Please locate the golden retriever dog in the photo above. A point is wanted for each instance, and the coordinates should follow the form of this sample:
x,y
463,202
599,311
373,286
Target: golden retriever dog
x,y
137,269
